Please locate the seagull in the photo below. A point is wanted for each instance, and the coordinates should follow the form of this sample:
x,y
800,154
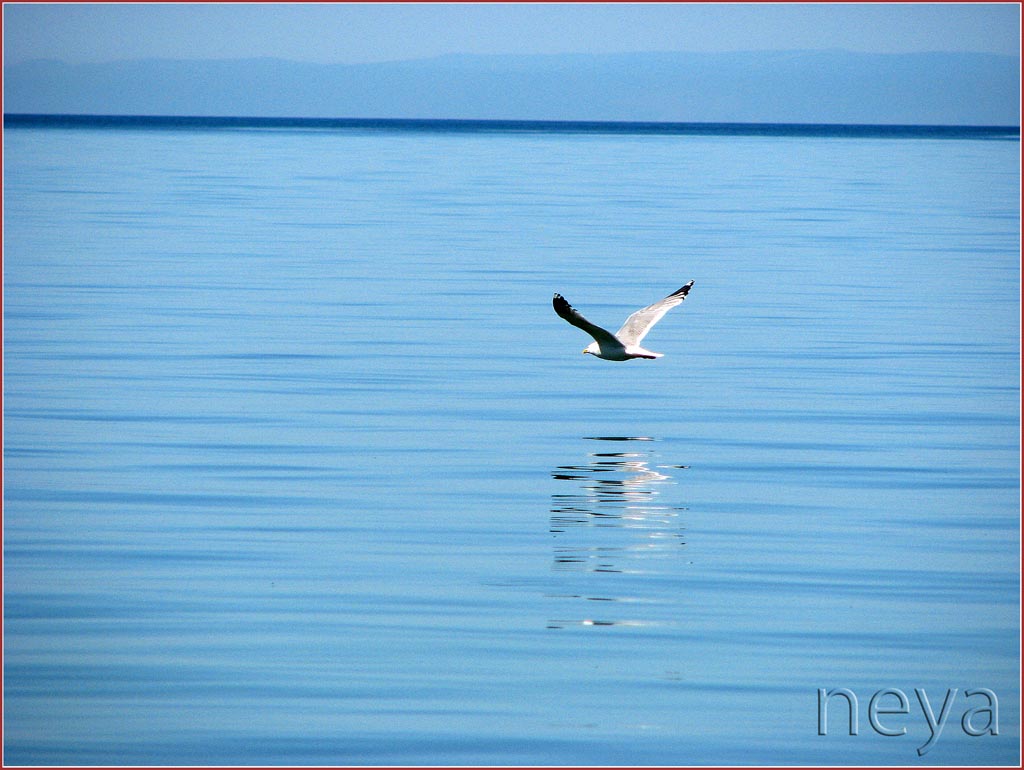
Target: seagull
x,y
625,343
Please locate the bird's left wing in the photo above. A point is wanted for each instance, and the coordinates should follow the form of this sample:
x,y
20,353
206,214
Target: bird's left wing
x,y
638,324
570,314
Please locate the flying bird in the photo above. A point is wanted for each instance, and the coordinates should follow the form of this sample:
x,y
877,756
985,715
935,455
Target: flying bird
x,y
625,343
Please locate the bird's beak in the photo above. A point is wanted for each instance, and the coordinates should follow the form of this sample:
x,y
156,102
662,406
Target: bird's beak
x,y
584,351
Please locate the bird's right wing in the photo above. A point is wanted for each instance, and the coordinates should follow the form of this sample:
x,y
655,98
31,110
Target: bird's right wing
x,y
638,324
570,314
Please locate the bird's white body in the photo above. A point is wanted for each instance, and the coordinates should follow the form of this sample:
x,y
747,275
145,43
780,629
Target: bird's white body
x,y
624,345
619,352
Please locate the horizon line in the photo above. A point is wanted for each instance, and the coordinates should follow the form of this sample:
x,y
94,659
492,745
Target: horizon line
x,y
16,119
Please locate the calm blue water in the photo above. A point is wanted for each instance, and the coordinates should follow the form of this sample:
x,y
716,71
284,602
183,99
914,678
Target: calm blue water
x,y
302,468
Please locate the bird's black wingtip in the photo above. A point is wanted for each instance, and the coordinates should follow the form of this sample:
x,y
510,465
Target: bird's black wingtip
x,y
561,305
682,292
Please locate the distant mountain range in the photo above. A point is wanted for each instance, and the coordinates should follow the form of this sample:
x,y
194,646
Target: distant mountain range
x,y
763,87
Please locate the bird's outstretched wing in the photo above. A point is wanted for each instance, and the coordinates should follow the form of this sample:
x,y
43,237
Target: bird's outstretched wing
x,y
570,314
638,324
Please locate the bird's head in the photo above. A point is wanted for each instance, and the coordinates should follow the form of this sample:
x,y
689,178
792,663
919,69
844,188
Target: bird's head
x,y
591,348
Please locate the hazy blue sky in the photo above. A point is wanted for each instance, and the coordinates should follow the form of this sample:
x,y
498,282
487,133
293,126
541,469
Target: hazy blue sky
x,y
351,33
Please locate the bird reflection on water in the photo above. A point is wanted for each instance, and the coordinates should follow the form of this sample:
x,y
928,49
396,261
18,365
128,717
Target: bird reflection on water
x,y
614,520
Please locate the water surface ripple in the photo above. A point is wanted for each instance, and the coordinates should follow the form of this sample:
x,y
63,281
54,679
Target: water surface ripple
x,y
301,468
